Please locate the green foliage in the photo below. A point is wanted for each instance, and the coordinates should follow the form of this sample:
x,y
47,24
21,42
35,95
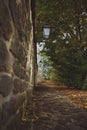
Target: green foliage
x,y
70,63
67,46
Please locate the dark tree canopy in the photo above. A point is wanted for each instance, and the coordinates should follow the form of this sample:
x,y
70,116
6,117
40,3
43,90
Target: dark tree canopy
x,y
67,46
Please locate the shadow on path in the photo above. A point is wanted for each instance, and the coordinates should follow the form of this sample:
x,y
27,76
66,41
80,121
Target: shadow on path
x,y
54,111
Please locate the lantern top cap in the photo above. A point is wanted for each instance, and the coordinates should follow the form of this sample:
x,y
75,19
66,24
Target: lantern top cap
x,y
47,26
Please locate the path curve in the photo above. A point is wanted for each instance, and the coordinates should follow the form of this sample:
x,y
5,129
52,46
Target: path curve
x,y
54,111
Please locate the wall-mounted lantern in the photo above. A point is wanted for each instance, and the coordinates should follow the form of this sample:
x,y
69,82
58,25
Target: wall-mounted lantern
x,y
46,31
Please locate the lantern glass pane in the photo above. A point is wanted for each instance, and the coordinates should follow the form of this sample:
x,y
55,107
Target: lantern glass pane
x,y
46,32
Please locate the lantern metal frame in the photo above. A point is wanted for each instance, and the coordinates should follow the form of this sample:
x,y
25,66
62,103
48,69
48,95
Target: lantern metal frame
x,y
46,31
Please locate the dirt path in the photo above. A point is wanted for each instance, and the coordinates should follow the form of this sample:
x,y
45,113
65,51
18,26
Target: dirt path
x,y
53,110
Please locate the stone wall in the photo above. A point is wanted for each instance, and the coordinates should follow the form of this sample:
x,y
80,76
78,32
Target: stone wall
x,y
16,60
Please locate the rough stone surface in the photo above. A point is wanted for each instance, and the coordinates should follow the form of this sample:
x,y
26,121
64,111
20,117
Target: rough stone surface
x,y
19,51
20,98
16,69
17,86
6,84
5,20
24,86
19,70
8,109
3,53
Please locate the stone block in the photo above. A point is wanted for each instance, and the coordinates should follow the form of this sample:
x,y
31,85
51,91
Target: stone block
x,y
22,73
3,53
20,45
27,76
5,20
20,16
4,68
15,11
24,86
19,71
17,86
16,66
21,53
5,64
9,109
18,50
20,99
6,84
16,121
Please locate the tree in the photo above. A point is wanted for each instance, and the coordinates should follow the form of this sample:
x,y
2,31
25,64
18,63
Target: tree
x,y
68,42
